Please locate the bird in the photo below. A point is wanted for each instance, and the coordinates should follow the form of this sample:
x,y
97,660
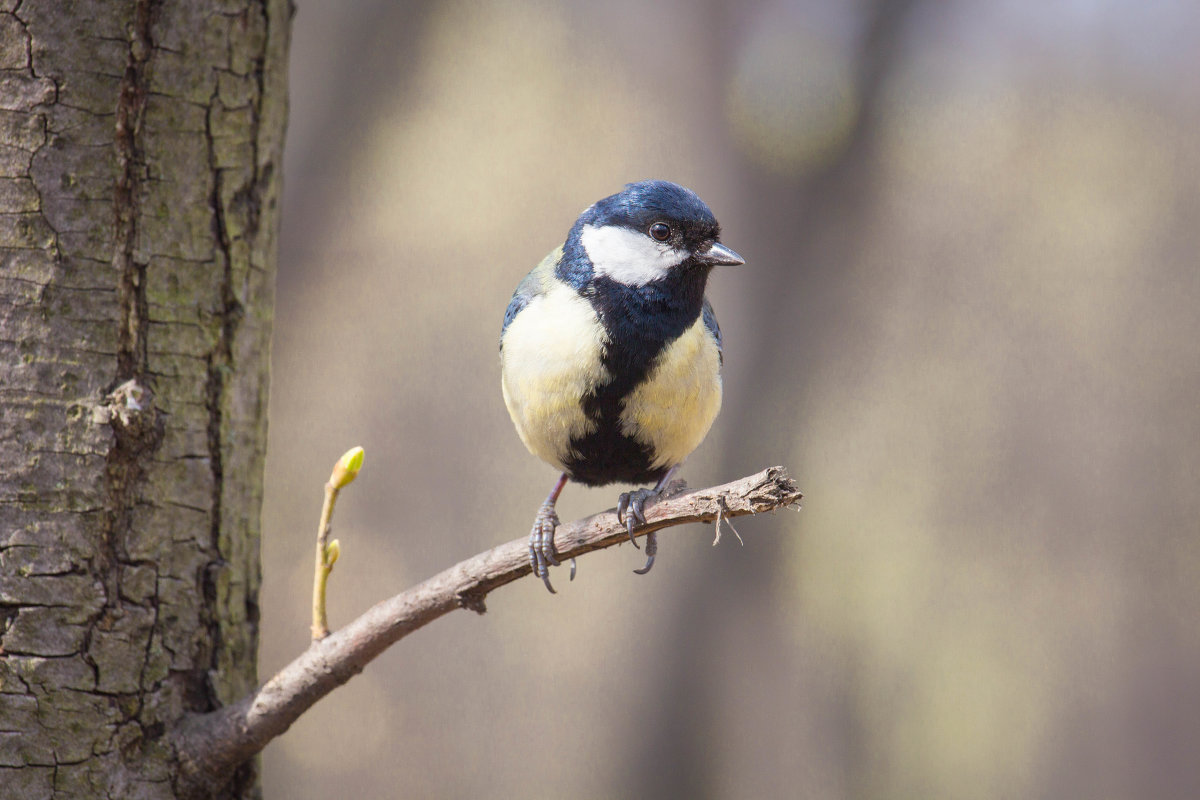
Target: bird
x,y
611,355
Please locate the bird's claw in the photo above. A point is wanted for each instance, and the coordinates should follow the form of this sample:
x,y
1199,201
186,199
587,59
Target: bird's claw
x,y
631,510
622,507
541,545
651,552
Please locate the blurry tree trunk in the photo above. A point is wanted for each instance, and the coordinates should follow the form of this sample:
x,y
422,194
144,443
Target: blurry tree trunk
x,y
813,219
140,146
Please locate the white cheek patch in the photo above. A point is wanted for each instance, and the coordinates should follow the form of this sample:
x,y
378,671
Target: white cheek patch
x,y
628,256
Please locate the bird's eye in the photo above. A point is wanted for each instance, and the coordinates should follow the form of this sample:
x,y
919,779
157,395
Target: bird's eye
x,y
660,231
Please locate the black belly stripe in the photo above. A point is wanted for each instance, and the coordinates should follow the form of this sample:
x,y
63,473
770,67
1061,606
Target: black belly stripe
x,y
640,322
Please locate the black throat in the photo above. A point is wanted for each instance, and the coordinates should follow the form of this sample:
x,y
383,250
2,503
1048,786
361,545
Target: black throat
x,y
640,322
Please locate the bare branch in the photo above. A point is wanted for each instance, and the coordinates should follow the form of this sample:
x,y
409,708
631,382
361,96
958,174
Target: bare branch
x,y
211,745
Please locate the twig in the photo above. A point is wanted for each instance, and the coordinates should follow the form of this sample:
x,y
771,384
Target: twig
x,y
344,472
723,517
211,745
324,564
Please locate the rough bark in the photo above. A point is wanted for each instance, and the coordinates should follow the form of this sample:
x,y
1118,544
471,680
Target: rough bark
x,y
140,146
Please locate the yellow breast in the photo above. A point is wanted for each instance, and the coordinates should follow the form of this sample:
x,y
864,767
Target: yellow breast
x,y
552,358
674,408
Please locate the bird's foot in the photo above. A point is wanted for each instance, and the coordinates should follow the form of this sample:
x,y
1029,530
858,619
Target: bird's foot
x,y
541,543
631,511
542,554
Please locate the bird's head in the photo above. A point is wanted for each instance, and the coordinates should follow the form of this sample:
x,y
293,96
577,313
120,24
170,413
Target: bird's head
x,y
644,232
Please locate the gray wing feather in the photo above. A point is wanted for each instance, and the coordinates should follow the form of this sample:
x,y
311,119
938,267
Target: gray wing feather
x,y
710,322
531,286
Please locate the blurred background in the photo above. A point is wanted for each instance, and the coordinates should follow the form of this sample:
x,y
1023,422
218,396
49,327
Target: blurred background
x,y
967,324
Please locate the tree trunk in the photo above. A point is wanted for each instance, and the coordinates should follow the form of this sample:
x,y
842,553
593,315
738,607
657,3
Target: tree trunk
x,y
140,151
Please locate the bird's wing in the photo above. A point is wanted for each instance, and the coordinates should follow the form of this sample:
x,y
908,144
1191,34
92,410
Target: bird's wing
x,y
532,285
710,322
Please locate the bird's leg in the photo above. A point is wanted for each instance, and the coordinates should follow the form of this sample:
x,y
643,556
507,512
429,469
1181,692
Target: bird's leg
x,y
631,510
541,538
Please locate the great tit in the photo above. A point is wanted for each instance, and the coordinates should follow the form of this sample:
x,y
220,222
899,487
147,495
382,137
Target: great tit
x,y
610,353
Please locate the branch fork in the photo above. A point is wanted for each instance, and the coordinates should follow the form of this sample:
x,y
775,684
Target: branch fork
x,y
211,745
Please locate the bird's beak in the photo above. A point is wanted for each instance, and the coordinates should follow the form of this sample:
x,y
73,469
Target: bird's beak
x,y
718,255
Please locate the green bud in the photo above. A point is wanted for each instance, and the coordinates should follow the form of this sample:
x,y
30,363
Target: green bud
x,y
346,469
